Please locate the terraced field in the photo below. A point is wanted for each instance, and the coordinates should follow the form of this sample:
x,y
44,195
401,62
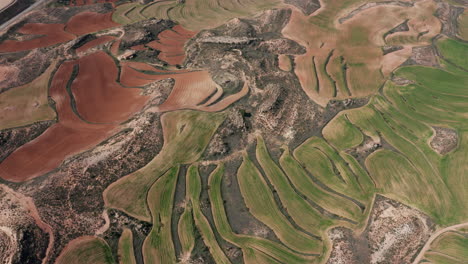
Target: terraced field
x,y
247,131
192,14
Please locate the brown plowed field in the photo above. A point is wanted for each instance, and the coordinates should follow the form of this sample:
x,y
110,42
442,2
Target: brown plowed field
x,y
53,34
142,66
115,47
184,32
99,98
69,136
176,47
94,43
88,22
169,34
221,105
171,44
171,58
139,47
132,78
190,90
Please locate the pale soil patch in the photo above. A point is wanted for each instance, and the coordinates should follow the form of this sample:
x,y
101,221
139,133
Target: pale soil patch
x,y
7,72
8,244
284,62
18,214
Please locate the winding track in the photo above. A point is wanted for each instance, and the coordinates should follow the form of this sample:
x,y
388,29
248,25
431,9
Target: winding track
x,y
433,237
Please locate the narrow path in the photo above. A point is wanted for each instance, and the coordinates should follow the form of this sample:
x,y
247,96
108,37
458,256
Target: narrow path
x,y
433,237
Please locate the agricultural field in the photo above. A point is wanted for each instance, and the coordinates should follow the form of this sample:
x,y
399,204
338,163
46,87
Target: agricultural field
x,y
229,132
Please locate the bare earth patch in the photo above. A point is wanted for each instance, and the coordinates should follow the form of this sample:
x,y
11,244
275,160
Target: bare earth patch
x,y
445,140
424,56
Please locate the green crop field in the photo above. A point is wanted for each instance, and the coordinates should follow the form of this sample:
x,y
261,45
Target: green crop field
x,y
254,248
194,189
158,246
303,182
129,193
186,232
449,247
261,203
87,250
302,213
28,103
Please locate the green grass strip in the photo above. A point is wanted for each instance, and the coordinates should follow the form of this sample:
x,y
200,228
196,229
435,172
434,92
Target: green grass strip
x,y
186,135
158,246
125,250
326,200
259,199
249,244
303,214
86,250
194,188
186,233
453,50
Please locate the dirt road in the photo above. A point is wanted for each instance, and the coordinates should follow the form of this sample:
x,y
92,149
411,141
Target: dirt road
x,y
433,237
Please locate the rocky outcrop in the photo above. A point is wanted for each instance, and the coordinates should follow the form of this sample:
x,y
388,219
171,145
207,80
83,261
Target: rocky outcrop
x,y
448,15
21,239
444,140
394,234
306,6
248,49
144,32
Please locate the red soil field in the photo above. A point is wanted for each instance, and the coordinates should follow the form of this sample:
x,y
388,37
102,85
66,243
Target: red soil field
x,y
99,98
169,34
193,88
69,136
94,43
221,105
171,58
53,34
142,66
132,78
139,47
88,22
176,47
190,90
79,2
171,44
184,32
115,47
